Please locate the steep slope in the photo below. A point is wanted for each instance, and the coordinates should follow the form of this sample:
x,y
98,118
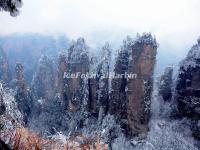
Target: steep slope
x,y
188,88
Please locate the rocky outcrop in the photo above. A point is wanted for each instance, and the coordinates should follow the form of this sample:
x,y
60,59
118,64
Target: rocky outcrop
x,y
131,93
165,85
99,84
43,85
92,83
22,96
143,58
188,87
118,99
103,72
4,67
48,97
188,84
20,81
76,84
62,68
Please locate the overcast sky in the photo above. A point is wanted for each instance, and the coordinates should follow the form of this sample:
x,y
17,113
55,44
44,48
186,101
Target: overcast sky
x,y
176,23
74,17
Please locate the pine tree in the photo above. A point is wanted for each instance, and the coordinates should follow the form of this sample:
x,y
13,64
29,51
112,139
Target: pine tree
x,y
11,6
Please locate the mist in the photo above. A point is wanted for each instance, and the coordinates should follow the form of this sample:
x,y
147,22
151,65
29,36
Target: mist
x,y
175,23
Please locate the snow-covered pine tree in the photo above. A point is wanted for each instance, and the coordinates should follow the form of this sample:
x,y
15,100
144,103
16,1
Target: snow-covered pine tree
x,y
11,6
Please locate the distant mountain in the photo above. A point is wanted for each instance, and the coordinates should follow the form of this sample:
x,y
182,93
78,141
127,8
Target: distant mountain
x,y
28,48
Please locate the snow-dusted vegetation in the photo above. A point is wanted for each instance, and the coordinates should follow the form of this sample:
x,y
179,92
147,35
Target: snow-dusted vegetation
x,y
11,6
145,113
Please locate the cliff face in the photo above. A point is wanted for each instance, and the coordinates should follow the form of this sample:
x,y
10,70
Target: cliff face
x,y
188,87
103,71
131,97
44,80
143,59
99,83
165,85
93,87
118,99
188,84
20,82
62,68
4,67
22,97
76,86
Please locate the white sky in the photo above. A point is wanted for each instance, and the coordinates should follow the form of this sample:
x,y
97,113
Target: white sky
x,y
176,23
77,16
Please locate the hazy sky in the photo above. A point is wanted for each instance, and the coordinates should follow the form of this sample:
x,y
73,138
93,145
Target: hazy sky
x,y
176,23
74,17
